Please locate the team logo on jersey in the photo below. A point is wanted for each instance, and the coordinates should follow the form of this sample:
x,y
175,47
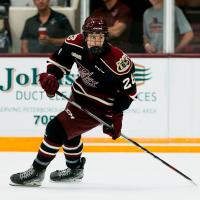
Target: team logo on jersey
x,y
75,55
86,76
72,37
123,64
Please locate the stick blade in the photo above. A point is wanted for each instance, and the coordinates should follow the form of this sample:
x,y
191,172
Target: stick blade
x,y
195,184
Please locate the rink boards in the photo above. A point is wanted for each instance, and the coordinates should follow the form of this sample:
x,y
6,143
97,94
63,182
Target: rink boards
x,y
165,118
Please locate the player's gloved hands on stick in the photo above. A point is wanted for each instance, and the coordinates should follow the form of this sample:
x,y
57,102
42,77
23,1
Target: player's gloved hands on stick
x,y
116,120
49,83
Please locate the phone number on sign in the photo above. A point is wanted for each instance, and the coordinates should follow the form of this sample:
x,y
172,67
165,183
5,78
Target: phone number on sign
x,y
43,119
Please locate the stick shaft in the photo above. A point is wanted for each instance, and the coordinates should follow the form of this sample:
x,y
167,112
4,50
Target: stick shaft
x,y
158,158
85,110
125,137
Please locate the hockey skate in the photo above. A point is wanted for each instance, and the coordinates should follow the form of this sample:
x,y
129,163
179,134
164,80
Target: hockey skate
x,y
30,177
69,175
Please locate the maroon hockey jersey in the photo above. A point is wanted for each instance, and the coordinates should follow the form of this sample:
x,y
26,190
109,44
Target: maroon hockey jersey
x,y
102,78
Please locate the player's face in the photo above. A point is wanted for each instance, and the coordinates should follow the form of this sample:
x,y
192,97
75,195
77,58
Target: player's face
x,y
95,40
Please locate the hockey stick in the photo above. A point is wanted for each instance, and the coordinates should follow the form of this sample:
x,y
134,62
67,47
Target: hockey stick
x,y
125,137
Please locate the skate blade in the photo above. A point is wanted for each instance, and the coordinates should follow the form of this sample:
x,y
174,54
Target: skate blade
x,y
26,184
66,181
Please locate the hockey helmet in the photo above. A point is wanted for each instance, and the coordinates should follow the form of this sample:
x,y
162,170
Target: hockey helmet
x,y
95,25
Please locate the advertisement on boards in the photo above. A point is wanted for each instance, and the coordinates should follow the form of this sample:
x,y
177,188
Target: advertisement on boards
x,y
25,109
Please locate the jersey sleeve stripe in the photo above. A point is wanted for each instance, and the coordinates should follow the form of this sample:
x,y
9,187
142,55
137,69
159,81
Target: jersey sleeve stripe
x,y
69,43
133,96
63,68
90,96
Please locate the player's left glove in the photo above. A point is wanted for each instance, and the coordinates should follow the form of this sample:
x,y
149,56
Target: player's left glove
x,y
49,83
116,120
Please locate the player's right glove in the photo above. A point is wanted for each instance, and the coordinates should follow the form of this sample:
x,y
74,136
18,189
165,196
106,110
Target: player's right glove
x,y
49,83
116,120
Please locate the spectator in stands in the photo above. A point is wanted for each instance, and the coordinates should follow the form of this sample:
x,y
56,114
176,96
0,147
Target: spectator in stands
x,y
119,19
5,35
57,29
153,28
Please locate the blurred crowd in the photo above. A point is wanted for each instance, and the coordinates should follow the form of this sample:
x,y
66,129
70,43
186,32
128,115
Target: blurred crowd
x,y
134,26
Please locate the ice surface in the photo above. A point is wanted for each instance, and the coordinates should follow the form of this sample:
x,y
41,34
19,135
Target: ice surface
x,y
113,176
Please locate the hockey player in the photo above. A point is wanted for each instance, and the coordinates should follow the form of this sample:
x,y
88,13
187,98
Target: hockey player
x,y
106,87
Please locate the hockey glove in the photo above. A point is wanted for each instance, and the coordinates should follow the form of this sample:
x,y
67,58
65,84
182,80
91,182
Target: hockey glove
x,y
116,120
49,83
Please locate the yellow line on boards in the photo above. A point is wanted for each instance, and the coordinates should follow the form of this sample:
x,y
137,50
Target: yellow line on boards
x,y
143,140
107,140
158,149
31,144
